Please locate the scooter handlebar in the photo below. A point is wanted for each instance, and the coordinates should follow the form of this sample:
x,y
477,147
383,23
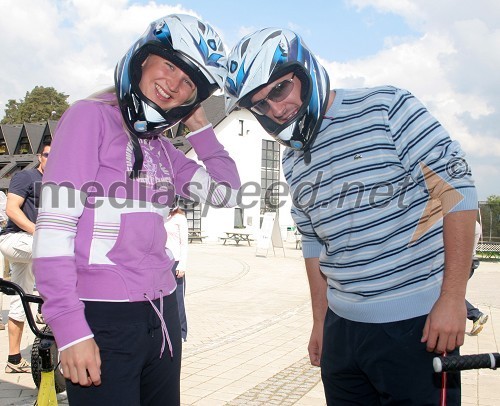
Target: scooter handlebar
x,y
464,362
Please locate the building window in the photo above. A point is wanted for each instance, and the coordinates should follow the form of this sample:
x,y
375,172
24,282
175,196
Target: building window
x,y
193,215
47,140
241,128
269,178
184,130
23,146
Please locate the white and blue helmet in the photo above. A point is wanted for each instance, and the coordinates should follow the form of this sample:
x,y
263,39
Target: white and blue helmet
x,y
265,56
188,43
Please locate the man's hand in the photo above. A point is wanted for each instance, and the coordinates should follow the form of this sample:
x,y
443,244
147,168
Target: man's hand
x,y
81,363
179,274
317,287
444,328
315,346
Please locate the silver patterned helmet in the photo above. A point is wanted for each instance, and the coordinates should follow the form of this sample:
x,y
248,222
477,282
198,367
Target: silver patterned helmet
x,y
265,56
188,43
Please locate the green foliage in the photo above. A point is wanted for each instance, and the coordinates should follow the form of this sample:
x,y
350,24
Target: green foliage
x,y
493,199
490,216
41,104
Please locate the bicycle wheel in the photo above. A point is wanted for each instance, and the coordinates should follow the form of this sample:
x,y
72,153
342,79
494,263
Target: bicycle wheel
x,y
36,364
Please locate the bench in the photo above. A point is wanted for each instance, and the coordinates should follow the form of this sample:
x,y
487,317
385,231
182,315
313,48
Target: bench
x,y
488,249
235,239
195,236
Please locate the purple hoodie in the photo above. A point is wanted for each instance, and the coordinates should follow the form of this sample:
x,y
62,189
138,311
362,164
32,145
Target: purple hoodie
x,y
100,235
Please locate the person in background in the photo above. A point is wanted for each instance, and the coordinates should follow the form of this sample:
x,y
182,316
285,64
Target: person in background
x,y
477,317
3,223
386,206
100,261
177,242
16,243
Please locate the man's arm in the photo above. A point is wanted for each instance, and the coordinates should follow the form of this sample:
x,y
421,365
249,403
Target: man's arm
x,y
317,287
445,326
15,213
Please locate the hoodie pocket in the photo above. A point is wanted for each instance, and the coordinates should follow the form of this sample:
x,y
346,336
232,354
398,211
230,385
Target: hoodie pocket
x,y
141,241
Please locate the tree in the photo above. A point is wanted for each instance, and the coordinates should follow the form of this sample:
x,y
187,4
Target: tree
x,y
493,199
490,215
41,104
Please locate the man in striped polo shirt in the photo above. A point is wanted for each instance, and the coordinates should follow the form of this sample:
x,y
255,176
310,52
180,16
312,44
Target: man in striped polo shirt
x,y
386,206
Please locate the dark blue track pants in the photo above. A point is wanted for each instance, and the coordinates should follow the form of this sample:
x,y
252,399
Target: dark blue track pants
x,y
129,339
381,364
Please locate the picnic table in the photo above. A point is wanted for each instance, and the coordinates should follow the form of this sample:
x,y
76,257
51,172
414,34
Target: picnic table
x,y
195,236
237,237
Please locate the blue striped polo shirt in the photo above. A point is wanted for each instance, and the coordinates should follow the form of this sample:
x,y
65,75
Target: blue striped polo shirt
x,y
366,206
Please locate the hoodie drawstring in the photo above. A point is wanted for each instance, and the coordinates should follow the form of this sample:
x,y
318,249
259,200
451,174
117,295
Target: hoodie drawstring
x,y
164,330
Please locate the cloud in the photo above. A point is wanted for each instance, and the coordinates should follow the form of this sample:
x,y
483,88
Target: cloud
x,y
72,46
452,67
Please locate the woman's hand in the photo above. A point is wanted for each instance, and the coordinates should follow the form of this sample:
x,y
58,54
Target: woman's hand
x,y
197,119
81,363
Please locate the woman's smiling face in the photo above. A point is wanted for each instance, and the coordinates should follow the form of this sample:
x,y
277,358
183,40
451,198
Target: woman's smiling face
x,y
164,83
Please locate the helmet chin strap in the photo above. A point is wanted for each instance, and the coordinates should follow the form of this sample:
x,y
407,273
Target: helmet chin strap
x,y
307,156
150,115
138,157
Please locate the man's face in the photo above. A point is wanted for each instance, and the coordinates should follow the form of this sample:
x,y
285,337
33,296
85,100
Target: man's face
x,y
42,158
279,100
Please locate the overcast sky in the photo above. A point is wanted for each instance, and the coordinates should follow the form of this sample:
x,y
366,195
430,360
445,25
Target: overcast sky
x,y
446,52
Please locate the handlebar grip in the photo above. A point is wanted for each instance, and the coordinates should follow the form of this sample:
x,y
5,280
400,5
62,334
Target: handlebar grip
x,y
464,362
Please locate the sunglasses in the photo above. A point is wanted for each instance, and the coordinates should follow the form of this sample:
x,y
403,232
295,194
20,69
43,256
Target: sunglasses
x,y
278,93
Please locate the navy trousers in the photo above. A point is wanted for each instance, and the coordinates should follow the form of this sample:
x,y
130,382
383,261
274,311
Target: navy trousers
x,y
130,340
381,364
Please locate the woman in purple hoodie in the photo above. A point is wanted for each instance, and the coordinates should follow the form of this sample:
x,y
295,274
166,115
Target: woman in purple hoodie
x,y
99,252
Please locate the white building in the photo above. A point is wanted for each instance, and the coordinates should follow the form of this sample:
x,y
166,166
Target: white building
x,y
258,158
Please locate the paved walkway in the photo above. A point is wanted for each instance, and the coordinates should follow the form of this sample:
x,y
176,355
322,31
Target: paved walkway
x,y
249,321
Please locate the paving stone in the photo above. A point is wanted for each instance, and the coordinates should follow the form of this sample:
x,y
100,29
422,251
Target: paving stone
x,y
249,323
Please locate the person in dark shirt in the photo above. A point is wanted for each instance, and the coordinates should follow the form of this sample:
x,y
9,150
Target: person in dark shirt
x,y
16,242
